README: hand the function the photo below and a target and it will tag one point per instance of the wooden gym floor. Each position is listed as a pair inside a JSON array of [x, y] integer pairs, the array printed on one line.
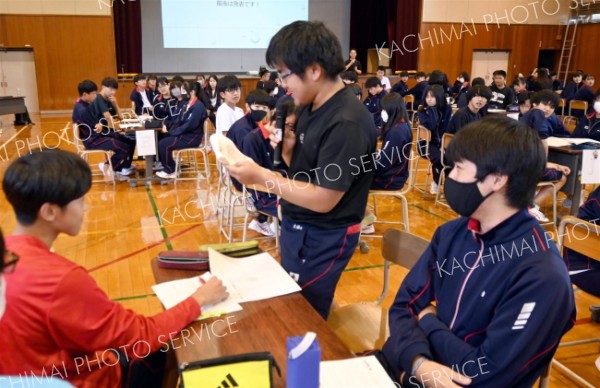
[[126, 227]]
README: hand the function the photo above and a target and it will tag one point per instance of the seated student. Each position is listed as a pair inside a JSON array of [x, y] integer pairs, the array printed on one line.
[[373, 100], [392, 164], [214, 99], [401, 87], [542, 81], [391, 168], [461, 101], [571, 88], [385, 81], [543, 104], [461, 85], [141, 96], [524, 103], [257, 145], [502, 95], [477, 97], [418, 90], [434, 116], [585, 93], [589, 125], [466, 314], [353, 64], [94, 138], [184, 132], [58, 316], [587, 269], [257, 111], [349, 77], [519, 86], [228, 113], [279, 89], [163, 101], [151, 85], [271, 88], [557, 84], [356, 90], [264, 75]]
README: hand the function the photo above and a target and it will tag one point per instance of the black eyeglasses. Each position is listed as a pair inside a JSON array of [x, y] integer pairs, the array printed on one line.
[[284, 76], [10, 261]]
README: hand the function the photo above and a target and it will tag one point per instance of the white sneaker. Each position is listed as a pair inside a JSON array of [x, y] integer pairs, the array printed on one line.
[[105, 168], [535, 211], [124, 172], [165, 175], [367, 229], [262, 228], [434, 189]]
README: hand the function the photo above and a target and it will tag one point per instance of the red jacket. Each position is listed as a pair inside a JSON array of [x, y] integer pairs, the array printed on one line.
[[59, 322]]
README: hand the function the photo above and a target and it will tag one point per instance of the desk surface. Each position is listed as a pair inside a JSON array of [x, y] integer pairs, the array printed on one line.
[[566, 150], [261, 326]]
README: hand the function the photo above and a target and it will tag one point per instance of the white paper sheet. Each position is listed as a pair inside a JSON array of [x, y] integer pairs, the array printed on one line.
[[251, 278], [562, 142], [176, 291], [146, 142], [357, 372], [590, 168]]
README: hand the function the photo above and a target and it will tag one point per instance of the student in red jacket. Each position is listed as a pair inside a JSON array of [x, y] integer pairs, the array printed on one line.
[[58, 321]]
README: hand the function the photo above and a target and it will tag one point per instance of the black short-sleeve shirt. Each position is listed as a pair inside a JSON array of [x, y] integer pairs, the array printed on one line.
[[335, 148], [100, 105]]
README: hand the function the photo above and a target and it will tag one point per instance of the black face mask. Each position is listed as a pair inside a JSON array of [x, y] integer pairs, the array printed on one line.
[[463, 198], [257, 115]]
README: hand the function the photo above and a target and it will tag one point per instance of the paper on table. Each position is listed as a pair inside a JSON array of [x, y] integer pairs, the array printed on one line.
[[590, 168], [251, 278], [562, 141], [354, 373], [146, 142], [176, 291]]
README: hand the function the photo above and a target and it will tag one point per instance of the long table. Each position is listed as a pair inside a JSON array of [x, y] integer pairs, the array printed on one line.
[[571, 158], [261, 326]]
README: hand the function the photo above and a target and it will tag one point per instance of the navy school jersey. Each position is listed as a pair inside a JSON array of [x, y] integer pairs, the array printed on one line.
[[588, 126], [391, 166], [240, 129], [436, 121], [590, 211], [536, 120], [373, 104], [190, 120]]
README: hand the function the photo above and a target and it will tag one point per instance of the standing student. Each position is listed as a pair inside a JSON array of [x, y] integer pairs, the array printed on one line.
[[141, 96], [401, 87], [373, 100], [185, 132], [228, 113], [543, 104], [477, 97], [467, 313], [58, 318], [385, 81], [353, 64], [329, 158], [502, 95], [95, 137], [434, 116]]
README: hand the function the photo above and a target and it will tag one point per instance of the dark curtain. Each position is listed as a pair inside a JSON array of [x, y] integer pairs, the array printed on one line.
[[375, 22], [127, 18]]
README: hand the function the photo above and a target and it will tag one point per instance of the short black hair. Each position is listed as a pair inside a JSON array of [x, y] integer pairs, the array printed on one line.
[[553, 73], [45, 176], [274, 75], [229, 82], [177, 78], [151, 76], [269, 86], [350, 75], [262, 71], [356, 89], [499, 72], [465, 75], [523, 97], [478, 81], [110, 82], [87, 86], [420, 74], [547, 97], [301, 44], [588, 76], [438, 77], [577, 74], [259, 97], [371, 82], [498, 144], [404, 73], [162, 81], [479, 90], [139, 77], [382, 68]]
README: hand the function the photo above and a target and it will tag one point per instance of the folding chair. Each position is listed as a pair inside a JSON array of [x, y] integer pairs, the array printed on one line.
[[85, 154], [186, 159], [446, 139], [570, 123], [364, 325], [423, 142], [561, 105], [540, 185], [570, 231], [578, 105]]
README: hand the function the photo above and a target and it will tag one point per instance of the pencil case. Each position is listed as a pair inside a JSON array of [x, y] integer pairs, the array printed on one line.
[[187, 260]]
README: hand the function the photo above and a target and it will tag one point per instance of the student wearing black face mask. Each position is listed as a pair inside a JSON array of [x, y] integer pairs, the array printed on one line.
[[502, 294]]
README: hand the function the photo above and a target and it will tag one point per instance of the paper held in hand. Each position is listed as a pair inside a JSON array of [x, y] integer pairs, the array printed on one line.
[[225, 151]]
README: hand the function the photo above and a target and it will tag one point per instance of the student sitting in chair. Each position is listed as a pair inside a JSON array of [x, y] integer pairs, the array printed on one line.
[[585, 93], [543, 104], [475, 310], [257, 108], [572, 86], [373, 100], [477, 98], [401, 87], [589, 125], [185, 132], [141, 96], [58, 320], [96, 137]]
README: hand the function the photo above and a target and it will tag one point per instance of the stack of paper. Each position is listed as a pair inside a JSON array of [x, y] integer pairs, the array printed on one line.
[[357, 372]]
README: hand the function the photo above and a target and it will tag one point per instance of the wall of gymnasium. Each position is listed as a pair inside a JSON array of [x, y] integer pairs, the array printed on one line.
[[452, 29], [72, 40]]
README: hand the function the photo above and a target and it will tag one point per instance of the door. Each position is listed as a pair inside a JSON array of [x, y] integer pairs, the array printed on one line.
[[486, 62], [17, 76]]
